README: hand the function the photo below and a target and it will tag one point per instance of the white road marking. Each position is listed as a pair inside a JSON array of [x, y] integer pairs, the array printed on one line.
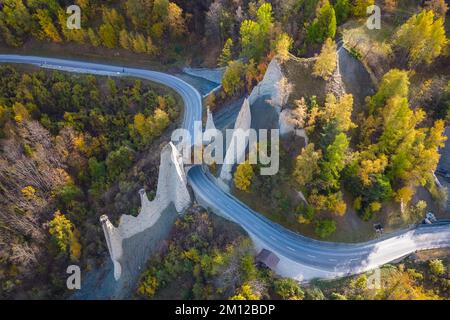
[[332, 259], [290, 248], [193, 108], [311, 256]]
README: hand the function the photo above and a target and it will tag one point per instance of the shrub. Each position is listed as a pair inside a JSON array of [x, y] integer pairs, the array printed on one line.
[[436, 267], [325, 228]]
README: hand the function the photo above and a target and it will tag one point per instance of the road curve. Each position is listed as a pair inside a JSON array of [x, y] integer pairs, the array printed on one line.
[[301, 257]]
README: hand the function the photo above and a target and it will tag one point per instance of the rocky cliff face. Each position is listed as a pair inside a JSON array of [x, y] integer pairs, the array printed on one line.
[[209, 121], [236, 154], [171, 189], [268, 85]]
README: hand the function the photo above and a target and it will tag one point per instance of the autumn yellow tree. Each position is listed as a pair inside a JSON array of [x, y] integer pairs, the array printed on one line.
[[246, 292], [108, 35], [151, 126], [283, 44], [139, 44], [404, 195], [226, 54], [93, 37], [338, 110], [232, 77], [142, 127], [369, 168], [288, 289], [243, 176], [326, 61], [124, 39], [29, 192], [401, 285], [160, 121], [423, 37], [149, 283], [65, 235], [20, 112], [394, 83], [359, 8], [175, 20], [397, 149], [340, 208], [48, 28]]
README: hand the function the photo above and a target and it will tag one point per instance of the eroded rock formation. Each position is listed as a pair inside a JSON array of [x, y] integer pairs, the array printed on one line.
[[171, 188], [209, 121], [268, 86], [236, 152]]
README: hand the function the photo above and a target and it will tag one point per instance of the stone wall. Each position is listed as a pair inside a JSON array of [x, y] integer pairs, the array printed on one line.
[[285, 126], [265, 88], [213, 75]]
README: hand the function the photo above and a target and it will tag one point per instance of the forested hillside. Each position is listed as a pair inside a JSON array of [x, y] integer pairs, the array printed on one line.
[[67, 151], [139, 26], [201, 261], [364, 162]]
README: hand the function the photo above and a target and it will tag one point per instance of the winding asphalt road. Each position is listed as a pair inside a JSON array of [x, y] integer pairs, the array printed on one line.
[[324, 259], [191, 97], [297, 253]]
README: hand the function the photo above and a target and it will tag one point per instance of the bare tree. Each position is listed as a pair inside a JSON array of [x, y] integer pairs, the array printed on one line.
[[213, 19], [23, 254]]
